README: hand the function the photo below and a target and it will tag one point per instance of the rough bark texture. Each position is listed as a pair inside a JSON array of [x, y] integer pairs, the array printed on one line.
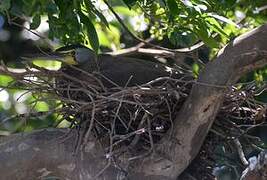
[[37, 155], [47, 153], [194, 120]]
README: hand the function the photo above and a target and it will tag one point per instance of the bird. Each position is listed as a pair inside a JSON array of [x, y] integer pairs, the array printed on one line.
[[115, 71]]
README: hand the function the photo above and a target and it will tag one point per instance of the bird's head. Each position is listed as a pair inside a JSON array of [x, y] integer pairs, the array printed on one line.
[[75, 54], [70, 55]]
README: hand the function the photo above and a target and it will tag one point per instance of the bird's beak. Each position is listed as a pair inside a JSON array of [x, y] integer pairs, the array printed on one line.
[[66, 58]]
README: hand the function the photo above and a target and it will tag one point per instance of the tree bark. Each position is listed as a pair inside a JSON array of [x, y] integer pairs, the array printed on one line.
[[244, 54], [35, 155], [49, 153]]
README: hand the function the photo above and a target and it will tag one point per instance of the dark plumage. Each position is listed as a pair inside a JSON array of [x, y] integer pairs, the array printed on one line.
[[120, 70]]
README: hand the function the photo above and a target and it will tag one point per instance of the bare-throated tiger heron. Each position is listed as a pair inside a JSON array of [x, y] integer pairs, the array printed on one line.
[[121, 71]]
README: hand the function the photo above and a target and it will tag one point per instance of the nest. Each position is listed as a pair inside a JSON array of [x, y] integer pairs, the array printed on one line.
[[138, 117], [133, 116]]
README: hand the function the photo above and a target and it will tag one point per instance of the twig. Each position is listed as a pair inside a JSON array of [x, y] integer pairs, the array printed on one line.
[[182, 50], [240, 152]]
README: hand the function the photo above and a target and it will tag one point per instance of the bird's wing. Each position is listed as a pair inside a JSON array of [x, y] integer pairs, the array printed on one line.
[[134, 71]]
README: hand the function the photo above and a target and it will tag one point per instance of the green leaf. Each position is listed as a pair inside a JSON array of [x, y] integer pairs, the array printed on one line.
[[195, 69], [91, 31], [182, 37], [41, 106], [215, 26], [91, 7], [5, 80], [129, 3], [36, 21], [5, 5], [208, 40], [173, 7], [122, 10], [76, 4], [51, 8], [102, 17], [223, 19], [202, 30]]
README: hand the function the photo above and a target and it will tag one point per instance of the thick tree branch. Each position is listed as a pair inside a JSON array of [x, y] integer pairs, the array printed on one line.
[[194, 120], [48, 153]]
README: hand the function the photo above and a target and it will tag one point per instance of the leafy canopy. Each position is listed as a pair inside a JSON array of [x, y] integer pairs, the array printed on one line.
[[183, 22]]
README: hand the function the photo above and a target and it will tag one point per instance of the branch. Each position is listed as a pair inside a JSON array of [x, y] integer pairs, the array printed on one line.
[[47, 153], [147, 51], [244, 54]]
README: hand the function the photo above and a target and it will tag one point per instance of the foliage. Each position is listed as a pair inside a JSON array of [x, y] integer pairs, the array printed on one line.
[[183, 22]]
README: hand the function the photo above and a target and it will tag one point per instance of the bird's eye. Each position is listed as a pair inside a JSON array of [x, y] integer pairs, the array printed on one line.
[[73, 53]]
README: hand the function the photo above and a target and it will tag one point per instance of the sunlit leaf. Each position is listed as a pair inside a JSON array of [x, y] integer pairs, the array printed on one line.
[[223, 19], [91, 7], [216, 26], [5, 80], [109, 37], [91, 31], [195, 68], [125, 11], [41, 106]]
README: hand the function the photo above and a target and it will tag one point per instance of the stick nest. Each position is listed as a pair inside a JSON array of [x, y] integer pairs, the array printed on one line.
[[133, 116], [136, 118]]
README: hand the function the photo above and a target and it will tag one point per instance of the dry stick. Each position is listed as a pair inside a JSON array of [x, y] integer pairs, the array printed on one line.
[[90, 76], [119, 106], [241, 134], [117, 111], [28, 71], [131, 50], [10, 21], [150, 135], [109, 155], [240, 152], [102, 170], [92, 118], [170, 118], [139, 129]]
